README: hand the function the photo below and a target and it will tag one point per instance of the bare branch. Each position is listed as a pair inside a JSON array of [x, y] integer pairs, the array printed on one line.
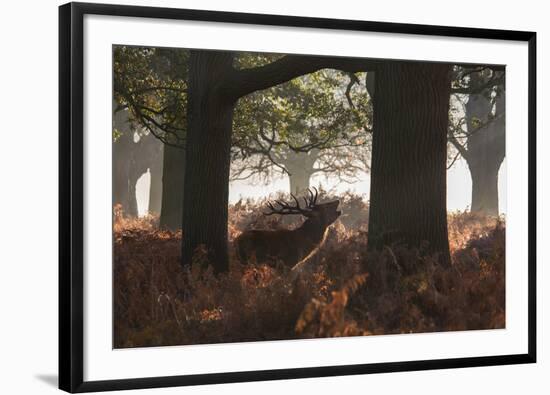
[[460, 148], [454, 160]]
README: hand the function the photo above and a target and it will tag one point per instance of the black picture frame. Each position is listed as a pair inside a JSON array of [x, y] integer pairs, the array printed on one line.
[[71, 205]]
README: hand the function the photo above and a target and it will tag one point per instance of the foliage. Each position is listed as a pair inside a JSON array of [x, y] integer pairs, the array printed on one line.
[[345, 291], [152, 84], [468, 83], [322, 119], [324, 116], [326, 113]]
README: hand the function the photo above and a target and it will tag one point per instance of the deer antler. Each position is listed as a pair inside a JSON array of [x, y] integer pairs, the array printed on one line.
[[312, 200], [285, 208]]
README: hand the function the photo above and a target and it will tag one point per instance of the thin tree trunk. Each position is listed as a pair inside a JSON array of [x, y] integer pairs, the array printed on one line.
[[120, 184], [122, 158], [486, 151], [144, 154], [484, 189], [172, 188], [206, 187], [132, 210], [155, 188], [409, 153], [300, 168], [299, 181], [149, 152]]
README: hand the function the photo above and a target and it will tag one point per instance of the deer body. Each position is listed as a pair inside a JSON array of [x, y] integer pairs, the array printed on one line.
[[284, 245]]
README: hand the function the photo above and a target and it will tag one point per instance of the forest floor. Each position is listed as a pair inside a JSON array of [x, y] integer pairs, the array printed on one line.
[[344, 292]]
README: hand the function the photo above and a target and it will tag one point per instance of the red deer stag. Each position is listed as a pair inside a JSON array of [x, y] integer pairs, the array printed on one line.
[[284, 245]]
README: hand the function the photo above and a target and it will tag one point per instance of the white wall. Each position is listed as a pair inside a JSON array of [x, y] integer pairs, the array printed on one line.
[[28, 157]]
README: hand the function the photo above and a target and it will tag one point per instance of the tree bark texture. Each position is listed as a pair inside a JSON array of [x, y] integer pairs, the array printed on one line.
[[206, 186], [409, 154], [172, 187], [485, 151]]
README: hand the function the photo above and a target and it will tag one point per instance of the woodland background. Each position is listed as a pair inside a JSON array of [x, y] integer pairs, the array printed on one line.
[[30, 297], [198, 120]]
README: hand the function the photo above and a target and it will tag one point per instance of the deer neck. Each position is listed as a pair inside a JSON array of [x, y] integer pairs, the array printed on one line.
[[313, 229]]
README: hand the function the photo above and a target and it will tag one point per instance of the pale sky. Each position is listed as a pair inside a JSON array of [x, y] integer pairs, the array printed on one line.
[[459, 188]]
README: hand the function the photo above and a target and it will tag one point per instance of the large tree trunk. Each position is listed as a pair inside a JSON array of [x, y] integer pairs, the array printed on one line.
[[206, 186], [172, 188], [486, 151], [409, 154]]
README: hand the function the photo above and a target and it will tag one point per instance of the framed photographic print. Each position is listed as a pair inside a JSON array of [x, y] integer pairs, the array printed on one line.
[[256, 197]]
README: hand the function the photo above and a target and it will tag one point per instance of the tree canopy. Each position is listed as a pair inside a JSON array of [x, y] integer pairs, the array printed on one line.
[[326, 114], [152, 84]]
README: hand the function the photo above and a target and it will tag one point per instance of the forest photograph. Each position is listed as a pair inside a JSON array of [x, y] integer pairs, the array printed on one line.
[[268, 196]]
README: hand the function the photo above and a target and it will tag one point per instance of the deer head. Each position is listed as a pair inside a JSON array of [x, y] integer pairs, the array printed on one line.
[[323, 213]]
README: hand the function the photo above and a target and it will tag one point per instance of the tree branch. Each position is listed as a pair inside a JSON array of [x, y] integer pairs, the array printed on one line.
[[352, 81], [479, 88], [289, 67], [453, 140], [454, 160]]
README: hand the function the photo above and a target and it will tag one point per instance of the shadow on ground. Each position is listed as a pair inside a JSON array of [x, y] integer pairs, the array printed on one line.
[[50, 379]]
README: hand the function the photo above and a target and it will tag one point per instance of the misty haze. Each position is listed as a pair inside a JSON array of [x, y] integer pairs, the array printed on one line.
[[262, 196]]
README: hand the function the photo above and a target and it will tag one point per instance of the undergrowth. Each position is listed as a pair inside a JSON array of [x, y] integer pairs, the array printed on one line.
[[345, 291]]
